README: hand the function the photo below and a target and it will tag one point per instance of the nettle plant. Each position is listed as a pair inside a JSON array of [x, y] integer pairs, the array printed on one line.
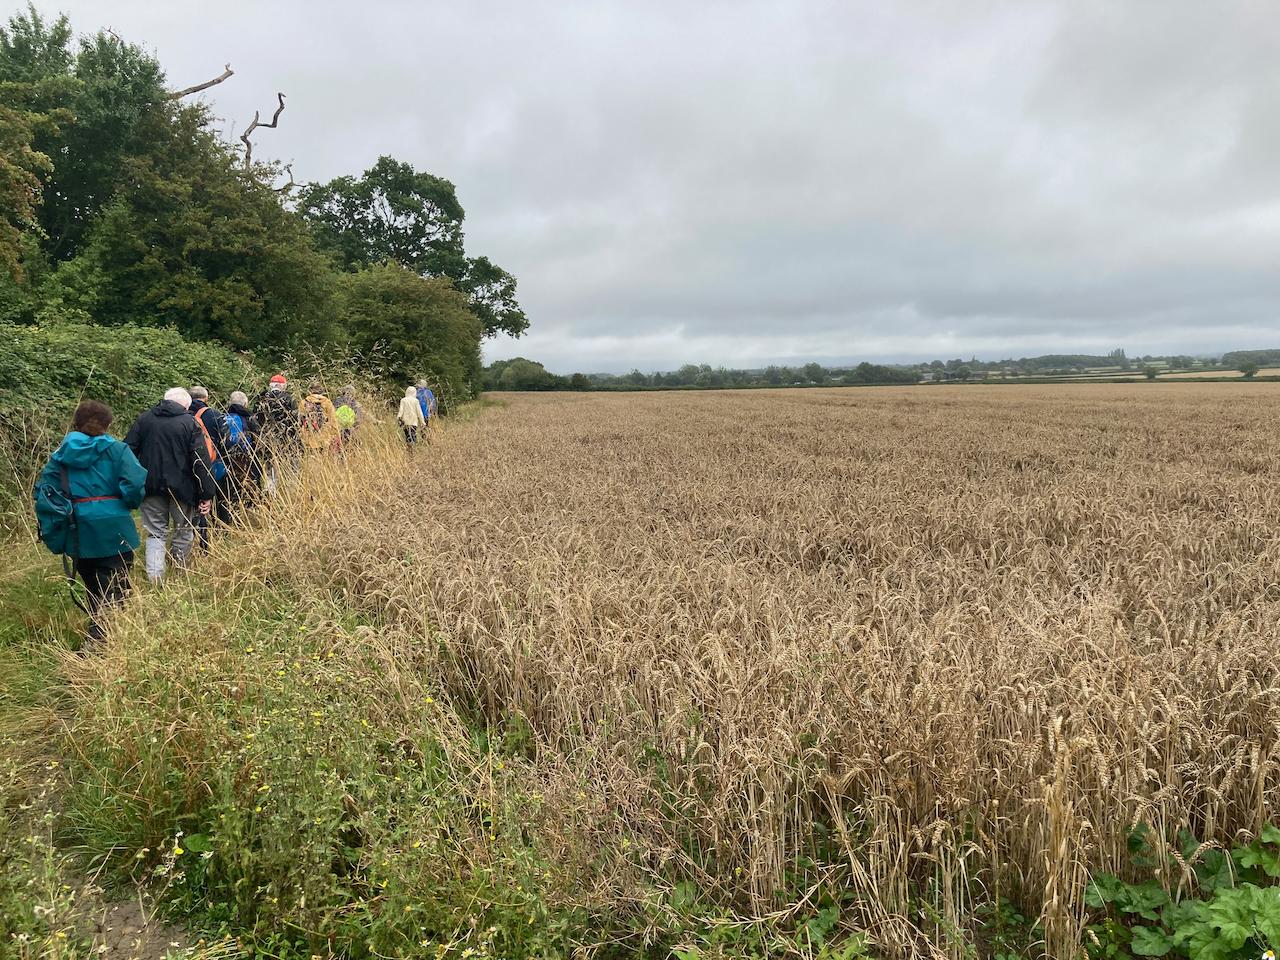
[[1235, 916]]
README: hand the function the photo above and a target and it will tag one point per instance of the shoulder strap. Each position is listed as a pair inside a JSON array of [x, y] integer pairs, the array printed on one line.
[[208, 440]]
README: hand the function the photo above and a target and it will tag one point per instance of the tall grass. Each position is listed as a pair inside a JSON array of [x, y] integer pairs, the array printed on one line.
[[746, 672]]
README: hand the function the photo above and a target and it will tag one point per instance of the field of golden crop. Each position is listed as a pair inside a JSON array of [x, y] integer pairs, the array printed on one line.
[[914, 650]]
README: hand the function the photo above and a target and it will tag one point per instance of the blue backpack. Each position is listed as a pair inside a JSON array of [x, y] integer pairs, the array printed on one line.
[[237, 438]]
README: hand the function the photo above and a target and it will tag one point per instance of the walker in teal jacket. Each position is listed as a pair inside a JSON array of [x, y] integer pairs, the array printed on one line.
[[106, 481]]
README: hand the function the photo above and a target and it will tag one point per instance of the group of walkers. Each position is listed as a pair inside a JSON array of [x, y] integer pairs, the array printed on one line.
[[184, 465]]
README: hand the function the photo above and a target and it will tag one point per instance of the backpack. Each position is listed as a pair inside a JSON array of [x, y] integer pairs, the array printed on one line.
[[219, 468], [56, 515], [313, 418], [276, 415], [59, 528], [346, 417], [237, 438]]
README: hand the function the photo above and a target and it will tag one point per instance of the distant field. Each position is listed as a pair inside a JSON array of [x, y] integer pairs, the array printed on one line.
[[1136, 373], [1196, 374]]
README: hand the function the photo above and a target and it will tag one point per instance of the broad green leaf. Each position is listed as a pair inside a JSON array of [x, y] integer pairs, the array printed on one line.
[[1214, 871], [1145, 900], [1102, 890], [1150, 942], [1206, 945]]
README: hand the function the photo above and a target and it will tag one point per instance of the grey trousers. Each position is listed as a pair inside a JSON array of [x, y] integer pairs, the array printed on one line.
[[159, 512]]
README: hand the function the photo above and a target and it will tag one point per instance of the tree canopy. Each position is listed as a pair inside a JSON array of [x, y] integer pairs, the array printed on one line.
[[393, 213], [120, 204]]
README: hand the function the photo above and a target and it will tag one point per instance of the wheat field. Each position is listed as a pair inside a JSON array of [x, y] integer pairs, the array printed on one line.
[[922, 651]]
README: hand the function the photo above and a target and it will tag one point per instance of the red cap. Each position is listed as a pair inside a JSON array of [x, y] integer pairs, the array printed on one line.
[[279, 378]]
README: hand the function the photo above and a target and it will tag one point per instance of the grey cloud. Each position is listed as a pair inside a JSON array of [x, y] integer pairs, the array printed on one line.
[[742, 182]]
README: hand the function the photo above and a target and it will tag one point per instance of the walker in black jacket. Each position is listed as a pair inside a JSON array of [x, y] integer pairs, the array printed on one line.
[[170, 444]]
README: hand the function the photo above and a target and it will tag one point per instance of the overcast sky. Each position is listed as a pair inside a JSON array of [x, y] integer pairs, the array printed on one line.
[[742, 183]]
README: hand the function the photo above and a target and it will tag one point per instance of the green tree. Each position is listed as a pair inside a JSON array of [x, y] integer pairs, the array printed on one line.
[[1248, 369], [196, 242], [390, 213], [109, 91], [21, 167], [522, 374], [423, 324], [814, 372], [1150, 372], [579, 381], [687, 375], [493, 298], [394, 213]]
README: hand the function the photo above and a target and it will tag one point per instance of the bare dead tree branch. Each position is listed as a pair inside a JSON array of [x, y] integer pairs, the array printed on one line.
[[290, 185], [257, 122], [179, 94]]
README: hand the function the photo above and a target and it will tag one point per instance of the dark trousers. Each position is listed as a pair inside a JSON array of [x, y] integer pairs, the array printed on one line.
[[410, 434], [221, 512], [106, 581]]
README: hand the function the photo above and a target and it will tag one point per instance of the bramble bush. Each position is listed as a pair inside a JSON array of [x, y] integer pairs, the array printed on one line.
[[46, 370]]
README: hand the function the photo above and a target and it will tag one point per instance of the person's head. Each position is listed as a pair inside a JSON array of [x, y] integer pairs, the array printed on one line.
[[92, 418], [422, 384], [239, 398], [179, 396], [199, 393], [349, 389], [409, 391], [278, 383], [316, 387]]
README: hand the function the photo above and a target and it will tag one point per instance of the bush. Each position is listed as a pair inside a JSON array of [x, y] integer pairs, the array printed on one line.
[[46, 370], [423, 327]]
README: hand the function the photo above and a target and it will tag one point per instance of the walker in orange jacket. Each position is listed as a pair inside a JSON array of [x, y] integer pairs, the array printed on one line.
[[318, 426]]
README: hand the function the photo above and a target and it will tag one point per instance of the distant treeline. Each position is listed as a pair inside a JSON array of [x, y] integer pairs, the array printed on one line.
[[1263, 358], [520, 373]]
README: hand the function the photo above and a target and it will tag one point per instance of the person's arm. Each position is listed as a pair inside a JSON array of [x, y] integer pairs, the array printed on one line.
[[201, 467], [133, 478], [134, 437]]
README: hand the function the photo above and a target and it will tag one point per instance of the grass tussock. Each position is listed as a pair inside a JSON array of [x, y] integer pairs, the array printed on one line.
[[758, 674]]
